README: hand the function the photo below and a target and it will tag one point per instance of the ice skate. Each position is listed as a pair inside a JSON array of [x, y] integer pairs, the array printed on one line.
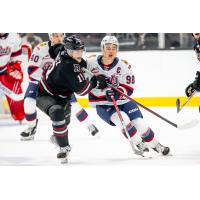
[[29, 133], [162, 149], [93, 130], [63, 154], [142, 147]]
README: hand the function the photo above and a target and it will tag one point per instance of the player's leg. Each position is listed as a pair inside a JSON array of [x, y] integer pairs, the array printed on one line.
[[83, 116], [145, 131], [109, 115], [30, 112], [54, 108], [16, 107], [148, 136], [132, 131]]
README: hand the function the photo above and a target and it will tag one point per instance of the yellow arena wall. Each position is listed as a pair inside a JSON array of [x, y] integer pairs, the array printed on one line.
[[155, 101], [161, 76]]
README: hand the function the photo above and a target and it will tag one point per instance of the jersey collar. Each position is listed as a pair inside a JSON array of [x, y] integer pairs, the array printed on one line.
[[107, 67]]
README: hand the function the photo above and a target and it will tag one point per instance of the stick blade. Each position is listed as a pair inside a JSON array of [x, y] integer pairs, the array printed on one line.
[[188, 125]]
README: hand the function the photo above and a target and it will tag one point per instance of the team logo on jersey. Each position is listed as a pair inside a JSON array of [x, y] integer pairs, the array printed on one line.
[[114, 80], [133, 110], [4, 51], [77, 68]]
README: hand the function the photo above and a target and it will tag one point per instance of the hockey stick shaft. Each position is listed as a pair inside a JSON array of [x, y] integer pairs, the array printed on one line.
[[124, 126], [188, 99], [10, 93], [120, 117], [184, 126], [141, 105]]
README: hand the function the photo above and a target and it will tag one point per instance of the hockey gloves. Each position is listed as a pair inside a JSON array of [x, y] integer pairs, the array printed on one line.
[[197, 48], [197, 45], [196, 83], [54, 50], [193, 86], [189, 90], [114, 93], [99, 82], [15, 71]]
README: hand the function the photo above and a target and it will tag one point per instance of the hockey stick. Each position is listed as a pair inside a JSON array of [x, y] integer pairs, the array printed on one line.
[[182, 126], [179, 108], [137, 152], [178, 105], [10, 93]]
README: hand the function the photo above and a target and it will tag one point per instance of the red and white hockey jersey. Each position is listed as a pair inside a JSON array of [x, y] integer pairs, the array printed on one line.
[[10, 51], [119, 70], [40, 59]]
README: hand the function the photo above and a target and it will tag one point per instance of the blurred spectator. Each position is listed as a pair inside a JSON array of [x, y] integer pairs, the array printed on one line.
[[172, 40], [140, 40], [186, 40], [31, 39], [127, 41]]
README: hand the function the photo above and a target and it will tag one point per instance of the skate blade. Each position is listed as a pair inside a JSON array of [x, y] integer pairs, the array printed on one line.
[[96, 137], [63, 160], [168, 155], [139, 153], [27, 138], [94, 134]]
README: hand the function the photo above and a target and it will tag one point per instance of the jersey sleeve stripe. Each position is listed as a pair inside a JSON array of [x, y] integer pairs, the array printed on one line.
[[85, 89], [3, 69], [16, 53], [129, 90]]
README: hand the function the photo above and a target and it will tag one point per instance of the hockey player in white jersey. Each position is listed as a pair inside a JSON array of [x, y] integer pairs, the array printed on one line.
[[40, 60], [195, 85], [11, 75], [121, 76]]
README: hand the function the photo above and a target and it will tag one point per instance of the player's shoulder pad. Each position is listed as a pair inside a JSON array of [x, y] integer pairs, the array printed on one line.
[[91, 58], [14, 38], [41, 47], [126, 63]]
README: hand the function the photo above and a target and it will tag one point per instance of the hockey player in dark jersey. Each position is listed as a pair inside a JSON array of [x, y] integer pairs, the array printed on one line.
[[43, 55], [195, 85], [58, 84]]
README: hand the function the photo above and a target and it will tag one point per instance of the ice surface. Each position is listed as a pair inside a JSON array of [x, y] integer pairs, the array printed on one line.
[[108, 148]]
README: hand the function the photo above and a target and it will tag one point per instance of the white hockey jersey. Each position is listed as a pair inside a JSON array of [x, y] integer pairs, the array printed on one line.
[[120, 70], [40, 59], [10, 50]]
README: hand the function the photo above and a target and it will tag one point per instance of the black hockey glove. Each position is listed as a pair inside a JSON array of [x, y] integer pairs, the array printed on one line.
[[54, 50], [197, 48], [99, 82], [196, 83], [197, 45], [189, 90], [193, 86], [113, 93]]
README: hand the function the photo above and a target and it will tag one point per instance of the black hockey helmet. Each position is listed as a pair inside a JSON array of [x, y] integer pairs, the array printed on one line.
[[3, 36], [73, 43]]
